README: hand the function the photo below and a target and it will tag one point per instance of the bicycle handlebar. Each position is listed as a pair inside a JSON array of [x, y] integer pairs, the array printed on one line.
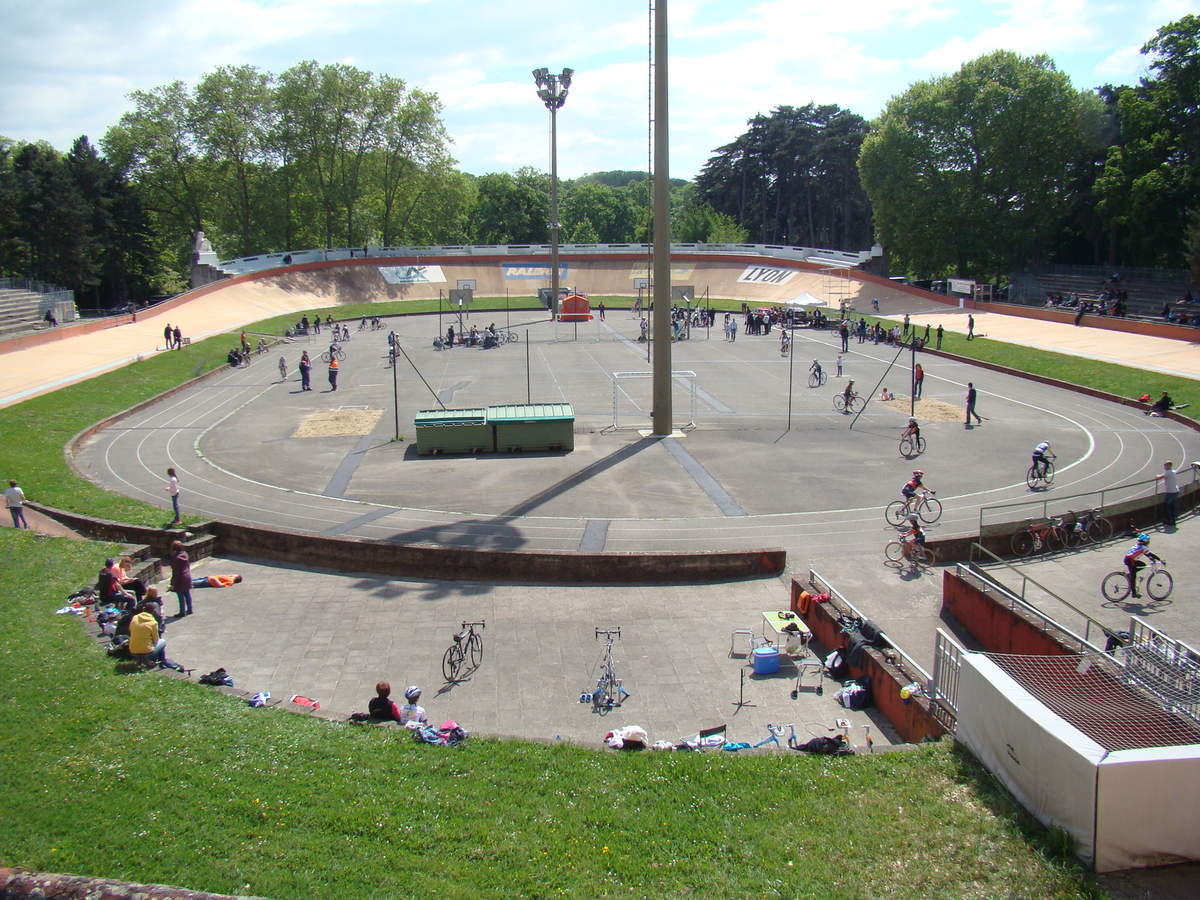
[[608, 632], [473, 624]]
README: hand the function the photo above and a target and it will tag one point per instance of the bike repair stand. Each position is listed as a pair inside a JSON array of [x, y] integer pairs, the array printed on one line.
[[741, 700]]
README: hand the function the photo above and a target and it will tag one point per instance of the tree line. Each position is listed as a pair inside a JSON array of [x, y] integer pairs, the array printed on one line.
[[1002, 165]]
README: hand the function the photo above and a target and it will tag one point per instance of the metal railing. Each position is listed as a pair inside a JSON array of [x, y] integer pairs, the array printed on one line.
[[1168, 668], [914, 667], [943, 686], [33, 285], [1043, 507], [245, 264], [1026, 594]]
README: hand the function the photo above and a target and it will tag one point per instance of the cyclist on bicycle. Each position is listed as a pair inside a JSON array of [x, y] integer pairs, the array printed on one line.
[[914, 537], [848, 394], [1133, 561], [909, 490], [1042, 455], [912, 430], [815, 368]]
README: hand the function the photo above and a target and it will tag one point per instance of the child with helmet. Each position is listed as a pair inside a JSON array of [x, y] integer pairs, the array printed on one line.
[[1133, 560], [411, 711]]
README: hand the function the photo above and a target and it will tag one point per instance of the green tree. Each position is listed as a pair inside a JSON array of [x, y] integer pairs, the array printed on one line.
[[792, 178], [970, 173], [512, 209], [1151, 176], [609, 211], [55, 219], [700, 223]]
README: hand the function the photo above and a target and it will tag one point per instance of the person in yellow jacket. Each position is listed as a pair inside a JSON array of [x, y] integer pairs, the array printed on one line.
[[145, 645], [333, 374]]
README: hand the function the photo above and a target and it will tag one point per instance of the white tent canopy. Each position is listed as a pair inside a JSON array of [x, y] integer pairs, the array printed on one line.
[[805, 299]]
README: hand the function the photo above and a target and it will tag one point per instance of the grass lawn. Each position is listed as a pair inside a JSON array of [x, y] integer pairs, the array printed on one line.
[[149, 779]]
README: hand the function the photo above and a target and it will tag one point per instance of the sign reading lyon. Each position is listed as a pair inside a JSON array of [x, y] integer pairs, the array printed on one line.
[[765, 275]]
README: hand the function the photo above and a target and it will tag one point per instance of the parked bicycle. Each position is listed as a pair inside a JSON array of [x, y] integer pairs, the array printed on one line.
[[1155, 577], [928, 507], [609, 692], [1087, 527], [921, 555], [1041, 476], [464, 655], [1048, 535]]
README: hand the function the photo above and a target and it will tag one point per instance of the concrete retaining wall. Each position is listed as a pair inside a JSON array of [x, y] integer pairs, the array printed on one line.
[[993, 623]]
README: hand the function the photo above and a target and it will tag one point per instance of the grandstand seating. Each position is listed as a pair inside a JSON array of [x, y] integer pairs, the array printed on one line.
[[1146, 296], [22, 310]]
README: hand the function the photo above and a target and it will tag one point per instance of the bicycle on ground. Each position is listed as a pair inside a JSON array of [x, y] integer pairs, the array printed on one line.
[[609, 693], [464, 655], [1157, 580], [1041, 476], [928, 507], [1051, 535], [1087, 527], [337, 352]]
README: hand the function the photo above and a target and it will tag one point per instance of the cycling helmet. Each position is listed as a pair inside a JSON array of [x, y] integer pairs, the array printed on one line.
[[412, 693], [1143, 538], [918, 471], [912, 421]]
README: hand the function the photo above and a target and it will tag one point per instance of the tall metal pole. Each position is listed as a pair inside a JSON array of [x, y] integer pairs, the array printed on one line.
[[662, 231], [395, 385], [553, 212]]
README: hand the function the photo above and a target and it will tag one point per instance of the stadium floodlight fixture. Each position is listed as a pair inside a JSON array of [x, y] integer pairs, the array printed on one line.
[[552, 91]]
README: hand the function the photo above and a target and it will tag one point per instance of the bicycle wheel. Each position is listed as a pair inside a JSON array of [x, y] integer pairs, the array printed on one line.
[[451, 662], [1073, 536], [930, 510], [1159, 584], [1032, 478], [895, 513], [839, 402], [1048, 476], [601, 701], [1055, 538], [925, 556], [475, 649], [513, 337], [341, 354], [920, 444], [1100, 529], [1115, 586], [893, 550], [857, 404], [814, 380], [325, 356], [1022, 543]]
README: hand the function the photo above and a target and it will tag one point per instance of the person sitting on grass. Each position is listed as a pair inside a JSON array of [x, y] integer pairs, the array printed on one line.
[[146, 645], [108, 586], [382, 707], [885, 394], [1161, 406], [410, 711]]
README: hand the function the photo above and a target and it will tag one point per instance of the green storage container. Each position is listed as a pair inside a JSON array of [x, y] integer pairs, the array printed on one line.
[[453, 431], [531, 427]]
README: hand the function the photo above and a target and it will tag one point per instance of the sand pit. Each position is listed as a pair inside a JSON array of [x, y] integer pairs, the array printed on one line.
[[338, 423], [926, 410]]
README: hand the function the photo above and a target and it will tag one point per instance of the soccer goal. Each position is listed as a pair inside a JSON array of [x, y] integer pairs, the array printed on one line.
[[633, 400]]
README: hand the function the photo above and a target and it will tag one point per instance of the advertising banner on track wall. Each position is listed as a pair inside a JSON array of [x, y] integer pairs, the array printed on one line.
[[412, 274], [766, 275], [680, 272], [527, 272]]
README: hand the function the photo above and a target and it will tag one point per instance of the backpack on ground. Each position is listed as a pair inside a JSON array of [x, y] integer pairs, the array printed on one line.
[[217, 677], [835, 666]]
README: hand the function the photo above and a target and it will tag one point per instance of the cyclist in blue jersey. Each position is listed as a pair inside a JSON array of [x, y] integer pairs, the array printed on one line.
[[1133, 560]]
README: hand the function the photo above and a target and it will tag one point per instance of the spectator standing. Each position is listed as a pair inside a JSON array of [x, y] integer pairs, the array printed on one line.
[[970, 327], [925, 340], [282, 369], [178, 334], [1170, 480], [940, 332], [305, 372], [333, 373], [167, 335], [844, 334], [971, 405], [181, 578], [839, 365], [918, 381], [14, 499], [172, 488], [601, 310]]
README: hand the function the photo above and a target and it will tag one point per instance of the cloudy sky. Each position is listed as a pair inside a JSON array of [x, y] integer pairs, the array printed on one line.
[[66, 66]]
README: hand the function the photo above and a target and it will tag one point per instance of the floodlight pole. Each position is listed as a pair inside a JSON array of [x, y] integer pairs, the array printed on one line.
[[552, 91], [662, 232]]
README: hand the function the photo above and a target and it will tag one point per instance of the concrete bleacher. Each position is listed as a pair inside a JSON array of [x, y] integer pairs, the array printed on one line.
[[23, 310], [1146, 295]]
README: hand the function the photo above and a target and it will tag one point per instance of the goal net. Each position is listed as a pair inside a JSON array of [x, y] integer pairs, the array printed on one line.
[[633, 400]]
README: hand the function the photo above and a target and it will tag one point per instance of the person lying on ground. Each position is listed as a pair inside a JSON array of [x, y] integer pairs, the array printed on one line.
[[215, 581]]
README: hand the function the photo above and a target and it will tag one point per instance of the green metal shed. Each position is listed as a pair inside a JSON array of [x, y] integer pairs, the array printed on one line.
[[533, 426], [453, 431]]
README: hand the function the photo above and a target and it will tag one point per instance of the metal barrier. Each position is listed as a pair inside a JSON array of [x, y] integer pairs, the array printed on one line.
[[943, 686], [1165, 667], [1024, 597], [1045, 506], [914, 667]]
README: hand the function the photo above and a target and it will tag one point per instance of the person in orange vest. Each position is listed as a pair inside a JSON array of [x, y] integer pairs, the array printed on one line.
[[333, 373]]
